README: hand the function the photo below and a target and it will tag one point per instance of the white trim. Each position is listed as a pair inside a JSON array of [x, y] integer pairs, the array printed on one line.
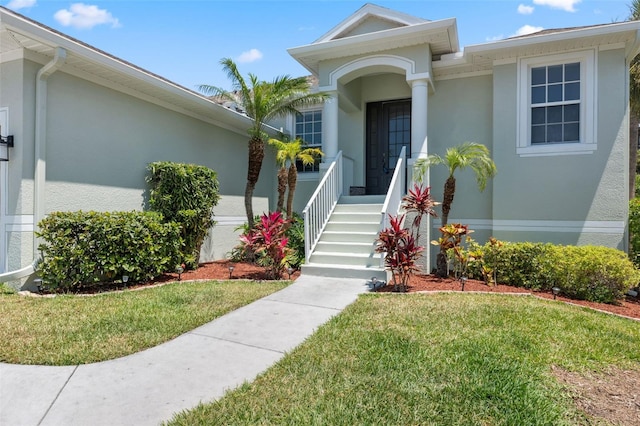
[[393, 61], [555, 226], [230, 220], [588, 105], [613, 46], [463, 74]]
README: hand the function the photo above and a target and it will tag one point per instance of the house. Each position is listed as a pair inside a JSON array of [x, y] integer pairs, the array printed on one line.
[[552, 107], [86, 124]]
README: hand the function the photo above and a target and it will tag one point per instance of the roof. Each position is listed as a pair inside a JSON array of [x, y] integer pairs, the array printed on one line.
[[374, 29], [21, 37]]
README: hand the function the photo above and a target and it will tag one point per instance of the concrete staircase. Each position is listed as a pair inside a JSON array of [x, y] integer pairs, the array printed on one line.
[[346, 247]]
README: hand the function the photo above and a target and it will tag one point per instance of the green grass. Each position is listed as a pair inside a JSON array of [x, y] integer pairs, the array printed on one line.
[[447, 359], [69, 330]]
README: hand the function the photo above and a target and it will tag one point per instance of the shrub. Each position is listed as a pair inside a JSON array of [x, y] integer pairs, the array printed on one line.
[[295, 236], [185, 194], [83, 248], [634, 231], [597, 274], [400, 251], [268, 243]]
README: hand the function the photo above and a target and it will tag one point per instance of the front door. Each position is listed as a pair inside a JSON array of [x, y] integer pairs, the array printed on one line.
[[388, 130]]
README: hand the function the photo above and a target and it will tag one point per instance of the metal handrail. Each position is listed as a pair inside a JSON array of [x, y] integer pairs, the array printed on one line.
[[323, 201]]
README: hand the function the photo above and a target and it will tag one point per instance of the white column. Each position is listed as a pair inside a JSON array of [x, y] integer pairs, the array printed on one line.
[[419, 101], [330, 128]]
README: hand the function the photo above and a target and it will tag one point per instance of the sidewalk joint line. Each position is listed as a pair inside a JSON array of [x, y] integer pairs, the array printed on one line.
[[304, 304], [58, 394], [238, 343]]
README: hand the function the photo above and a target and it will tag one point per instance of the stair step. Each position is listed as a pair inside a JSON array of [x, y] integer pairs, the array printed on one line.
[[359, 208], [341, 271], [345, 247], [356, 217], [362, 199], [355, 237], [346, 259], [353, 226]]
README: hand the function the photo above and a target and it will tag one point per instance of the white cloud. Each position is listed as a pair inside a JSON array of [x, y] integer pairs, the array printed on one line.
[[84, 16], [20, 4], [525, 10], [250, 56], [495, 38], [567, 5], [527, 29]]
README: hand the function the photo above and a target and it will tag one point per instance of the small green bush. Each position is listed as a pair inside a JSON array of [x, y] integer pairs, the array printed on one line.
[[295, 234], [634, 231], [85, 248], [185, 194], [594, 273], [597, 274]]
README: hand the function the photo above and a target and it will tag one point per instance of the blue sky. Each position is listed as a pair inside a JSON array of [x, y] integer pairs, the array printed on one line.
[[185, 40]]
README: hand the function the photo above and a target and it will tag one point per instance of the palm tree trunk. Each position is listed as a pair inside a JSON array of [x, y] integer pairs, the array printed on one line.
[[633, 152], [292, 180], [282, 187], [256, 155], [447, 200]]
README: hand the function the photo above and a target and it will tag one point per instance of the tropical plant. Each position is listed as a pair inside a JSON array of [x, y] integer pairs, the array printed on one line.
[[400, 251], [268, 242], [262, 101], [419, 202], [185, 194], [453, 235], [287, 153], [470, 154]]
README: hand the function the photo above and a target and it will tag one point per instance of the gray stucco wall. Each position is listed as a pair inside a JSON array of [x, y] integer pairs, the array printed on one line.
[[574, 188], [99, 143]]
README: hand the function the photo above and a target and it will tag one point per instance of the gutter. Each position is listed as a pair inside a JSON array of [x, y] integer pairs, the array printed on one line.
[[39, 158]]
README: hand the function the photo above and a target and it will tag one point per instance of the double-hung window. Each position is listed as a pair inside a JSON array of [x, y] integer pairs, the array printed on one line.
[[308, 127], [557, 105]]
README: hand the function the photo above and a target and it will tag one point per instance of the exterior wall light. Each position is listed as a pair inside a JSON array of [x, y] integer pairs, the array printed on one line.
[[6, 142]]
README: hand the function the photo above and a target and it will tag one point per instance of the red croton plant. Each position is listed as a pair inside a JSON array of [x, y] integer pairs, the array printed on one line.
[[400, 244], [267, 241]]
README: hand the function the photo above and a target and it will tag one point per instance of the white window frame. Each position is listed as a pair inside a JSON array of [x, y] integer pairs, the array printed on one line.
[[588, 142], [310, 175]]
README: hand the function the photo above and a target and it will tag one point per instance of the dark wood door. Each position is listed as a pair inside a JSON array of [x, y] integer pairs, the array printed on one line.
[[388, 130]]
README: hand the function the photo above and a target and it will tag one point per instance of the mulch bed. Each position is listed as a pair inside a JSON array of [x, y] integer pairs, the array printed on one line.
[[219, 270]]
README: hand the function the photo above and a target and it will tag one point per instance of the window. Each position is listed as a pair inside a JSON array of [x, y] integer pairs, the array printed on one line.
[[308, 127], [557, 106]]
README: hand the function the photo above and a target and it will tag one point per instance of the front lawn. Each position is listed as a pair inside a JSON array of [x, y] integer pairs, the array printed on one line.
[[446, 359], [69, 330]]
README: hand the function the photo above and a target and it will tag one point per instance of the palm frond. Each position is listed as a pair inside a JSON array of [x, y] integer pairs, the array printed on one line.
[[423, 164]]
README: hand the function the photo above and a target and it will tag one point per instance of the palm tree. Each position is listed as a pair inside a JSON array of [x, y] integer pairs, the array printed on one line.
[[469, 154], [262, 101], [287, 153], [634, 101]]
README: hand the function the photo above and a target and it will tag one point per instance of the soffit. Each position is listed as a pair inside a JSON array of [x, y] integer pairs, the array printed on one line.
[[482, 57]]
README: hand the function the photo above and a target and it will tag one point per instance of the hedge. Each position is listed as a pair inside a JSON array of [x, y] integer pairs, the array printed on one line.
[[88, 248], [593, 273]]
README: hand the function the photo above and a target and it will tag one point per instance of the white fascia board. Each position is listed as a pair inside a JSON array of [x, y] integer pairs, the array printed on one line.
[[342, 47], [602, 30], [52, 39], [363, 13]]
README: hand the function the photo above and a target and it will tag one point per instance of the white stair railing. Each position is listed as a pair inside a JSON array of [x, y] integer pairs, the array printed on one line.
[[396, 191], [321, 204]]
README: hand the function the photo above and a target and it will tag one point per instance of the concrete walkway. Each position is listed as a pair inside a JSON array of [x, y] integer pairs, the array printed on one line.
[[148, 387]]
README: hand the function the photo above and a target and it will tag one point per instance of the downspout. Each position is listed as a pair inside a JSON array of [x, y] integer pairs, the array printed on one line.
[[39, 178], [40, 151]]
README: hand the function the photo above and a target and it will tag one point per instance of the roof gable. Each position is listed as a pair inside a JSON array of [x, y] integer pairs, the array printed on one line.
[[370, 18]]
